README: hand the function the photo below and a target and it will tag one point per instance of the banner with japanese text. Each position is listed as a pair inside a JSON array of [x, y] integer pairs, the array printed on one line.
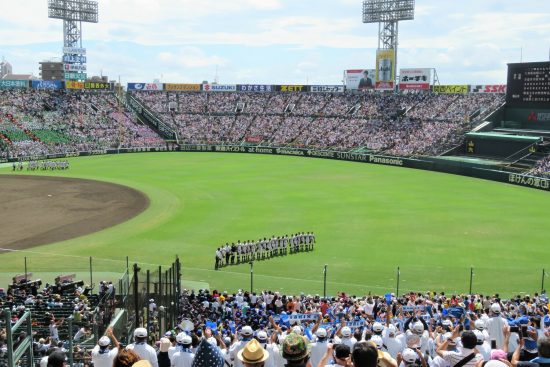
[[418, 79]]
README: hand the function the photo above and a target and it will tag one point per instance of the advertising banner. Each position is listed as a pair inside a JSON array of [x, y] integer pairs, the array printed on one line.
[[451, 89], [219, 87], [291, 88], [76, 76], [255, 88], [74, 50], [385, 61], [69, 84], [8, 84], [183, 87], [491, 88], [145, 86], [74, 59], [327, 89], [415, 79], [97, 85], [360, 79], [47, 84], [74, 67]]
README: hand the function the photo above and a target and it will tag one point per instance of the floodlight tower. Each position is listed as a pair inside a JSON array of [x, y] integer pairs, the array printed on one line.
[[73, 13], [387, 13]]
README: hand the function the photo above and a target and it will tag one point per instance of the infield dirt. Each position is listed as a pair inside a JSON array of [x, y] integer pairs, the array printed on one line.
[[37, 210]]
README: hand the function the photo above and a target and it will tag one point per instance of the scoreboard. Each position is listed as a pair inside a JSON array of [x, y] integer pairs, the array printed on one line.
[[529, 85]]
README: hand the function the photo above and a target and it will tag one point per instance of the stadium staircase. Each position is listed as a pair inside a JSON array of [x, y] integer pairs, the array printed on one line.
[[5, 139], [530, 160]]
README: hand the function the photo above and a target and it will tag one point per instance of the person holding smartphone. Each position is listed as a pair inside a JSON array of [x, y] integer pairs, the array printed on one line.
[[467, 356], [335, 355]]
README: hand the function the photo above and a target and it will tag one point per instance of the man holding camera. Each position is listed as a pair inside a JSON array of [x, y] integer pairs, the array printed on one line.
[[542, 359], [468, 356]]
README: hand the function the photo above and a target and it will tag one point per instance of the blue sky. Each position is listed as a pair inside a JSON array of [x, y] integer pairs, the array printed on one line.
[[280, 41]]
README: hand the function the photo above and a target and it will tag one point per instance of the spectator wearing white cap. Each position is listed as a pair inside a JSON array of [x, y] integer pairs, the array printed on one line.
[[495, 325], [102, 356], [382, 350], [140, 346], [319, 347], [483, 345], [270, 345], [246, 335], [392, 343], [184, 356], [479, 324], [344, 332], [411, 358]]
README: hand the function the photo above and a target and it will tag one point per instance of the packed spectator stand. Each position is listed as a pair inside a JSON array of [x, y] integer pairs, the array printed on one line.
[[35, 123], [403, 124]]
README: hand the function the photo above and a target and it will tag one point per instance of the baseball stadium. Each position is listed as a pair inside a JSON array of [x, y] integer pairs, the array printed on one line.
[[386, 212]]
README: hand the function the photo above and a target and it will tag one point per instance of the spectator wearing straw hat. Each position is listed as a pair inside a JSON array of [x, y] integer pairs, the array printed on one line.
[[162, 356], [253, 354], [246, 335]]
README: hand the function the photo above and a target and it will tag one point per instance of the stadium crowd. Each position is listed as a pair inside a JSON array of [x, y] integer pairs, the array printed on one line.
[[405, 124], [411, 330], [263, 249], [50, 307], [38, 122]]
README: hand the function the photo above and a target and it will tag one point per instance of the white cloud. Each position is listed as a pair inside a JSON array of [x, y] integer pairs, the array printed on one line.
[[189, 57], [465, 41]]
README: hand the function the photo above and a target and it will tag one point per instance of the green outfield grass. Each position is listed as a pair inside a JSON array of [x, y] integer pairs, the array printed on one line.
[[368, 220]]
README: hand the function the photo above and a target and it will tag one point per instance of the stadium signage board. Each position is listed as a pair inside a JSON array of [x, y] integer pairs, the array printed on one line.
[[255, 88], [182, 87], [97, 85], [145, 86], [360, 79], [74, 67], [8, 84], [494, 88], [74, 50], [528, 84], [76, 76], [327, 89], [70, 84], [385, 61], [291, 88], [74, 59], [418, 79], [219, 87], [451, 89], [47, 84], [418, 163]]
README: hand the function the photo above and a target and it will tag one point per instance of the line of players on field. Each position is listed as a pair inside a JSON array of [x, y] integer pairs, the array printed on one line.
[[47, 165], [262, 249]]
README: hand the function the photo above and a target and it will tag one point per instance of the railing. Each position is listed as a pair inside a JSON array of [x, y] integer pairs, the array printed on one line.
[[22, 347]]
